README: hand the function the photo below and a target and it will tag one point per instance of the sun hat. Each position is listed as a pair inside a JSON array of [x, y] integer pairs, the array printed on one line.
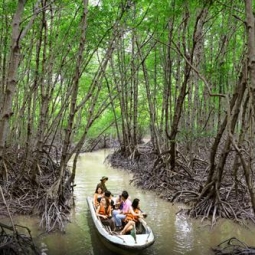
[[104, 178]]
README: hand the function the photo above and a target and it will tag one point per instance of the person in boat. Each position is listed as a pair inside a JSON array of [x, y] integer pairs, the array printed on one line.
[[132, 217], [102, 182], [97, 196], [105, 213], [118, 203], [108, 195], [119, 215]]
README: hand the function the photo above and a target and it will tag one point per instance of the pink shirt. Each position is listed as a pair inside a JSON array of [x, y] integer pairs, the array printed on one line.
[[126, 206]]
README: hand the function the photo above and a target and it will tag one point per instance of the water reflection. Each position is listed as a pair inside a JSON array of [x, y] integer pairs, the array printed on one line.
[[174, 234], [184, 237], [97, 245]]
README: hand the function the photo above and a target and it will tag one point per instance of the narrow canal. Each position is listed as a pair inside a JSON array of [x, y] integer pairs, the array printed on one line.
[[175, 234]]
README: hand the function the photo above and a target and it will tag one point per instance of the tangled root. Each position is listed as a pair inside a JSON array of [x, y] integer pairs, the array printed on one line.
[[12, 242], [233, 246]]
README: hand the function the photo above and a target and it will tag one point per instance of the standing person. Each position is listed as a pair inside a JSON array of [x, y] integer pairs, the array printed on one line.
[[105, 213], [120, 214], [97, 195], [102, 182]]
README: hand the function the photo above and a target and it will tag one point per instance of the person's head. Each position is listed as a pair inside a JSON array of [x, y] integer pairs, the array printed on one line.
[[108, 194], [103, 201], [124, 195], [104, 179], [99, 190], [135, 203]]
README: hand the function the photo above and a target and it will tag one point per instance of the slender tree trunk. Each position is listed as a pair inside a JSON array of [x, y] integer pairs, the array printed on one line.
[[9, 92], [179, 103], [134, 81], [251, 47], [166, 109], [95, 89], [150, 96], [72, 111], [250, 24], [213, 175]]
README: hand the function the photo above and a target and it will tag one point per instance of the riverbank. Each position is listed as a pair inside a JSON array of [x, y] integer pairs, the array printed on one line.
[[174, 232], [185, 182]]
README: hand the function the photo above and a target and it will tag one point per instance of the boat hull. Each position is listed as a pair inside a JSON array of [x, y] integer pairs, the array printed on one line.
[[121, 244]]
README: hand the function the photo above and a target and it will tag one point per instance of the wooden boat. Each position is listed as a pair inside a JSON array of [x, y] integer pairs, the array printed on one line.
[[122, 244]]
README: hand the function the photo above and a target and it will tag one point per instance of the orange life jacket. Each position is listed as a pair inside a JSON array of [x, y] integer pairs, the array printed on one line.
[[102, 210], [130, 216]]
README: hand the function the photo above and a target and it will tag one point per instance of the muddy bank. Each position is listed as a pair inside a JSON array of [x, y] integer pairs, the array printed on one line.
[[31, 185], [185, 182]]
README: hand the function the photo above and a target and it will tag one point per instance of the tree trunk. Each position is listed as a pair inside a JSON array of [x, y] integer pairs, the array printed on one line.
[[250, 24], [6, 108], [65, 156], [197, 37]]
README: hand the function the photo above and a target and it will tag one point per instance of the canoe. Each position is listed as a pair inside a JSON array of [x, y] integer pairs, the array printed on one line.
[[131, 243]]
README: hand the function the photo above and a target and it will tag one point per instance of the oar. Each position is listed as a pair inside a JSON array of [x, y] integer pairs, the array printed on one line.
[[133, 233]]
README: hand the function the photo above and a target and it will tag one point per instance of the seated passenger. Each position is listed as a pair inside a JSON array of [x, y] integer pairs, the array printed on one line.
[[108, 195], [97, 196], [105, 213], [120, 214], [118, 203], [132, 216]]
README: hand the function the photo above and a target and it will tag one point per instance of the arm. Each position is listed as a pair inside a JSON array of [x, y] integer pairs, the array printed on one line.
[[109, 211], [139, 214], [95, 199]]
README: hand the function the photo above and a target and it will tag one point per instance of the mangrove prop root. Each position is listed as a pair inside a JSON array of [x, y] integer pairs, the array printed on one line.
[[178, 186], [13, 242], [233, 246], [28, 194]]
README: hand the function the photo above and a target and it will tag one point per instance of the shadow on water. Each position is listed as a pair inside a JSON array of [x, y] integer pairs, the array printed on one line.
[[97, 245]]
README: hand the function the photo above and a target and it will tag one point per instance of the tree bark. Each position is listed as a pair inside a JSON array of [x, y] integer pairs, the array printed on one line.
[[250, 25], [9, 92]]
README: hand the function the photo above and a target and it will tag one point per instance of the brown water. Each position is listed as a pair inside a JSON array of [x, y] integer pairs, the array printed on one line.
[[175, 234]]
